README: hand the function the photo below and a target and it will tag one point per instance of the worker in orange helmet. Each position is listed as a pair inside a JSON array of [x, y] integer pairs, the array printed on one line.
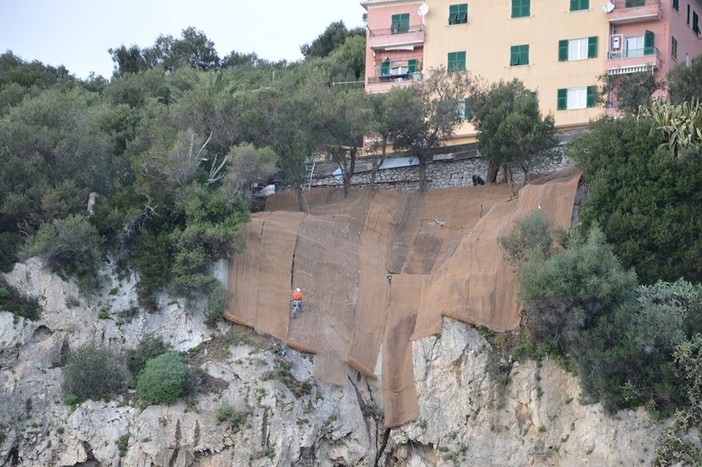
[[296, 302]]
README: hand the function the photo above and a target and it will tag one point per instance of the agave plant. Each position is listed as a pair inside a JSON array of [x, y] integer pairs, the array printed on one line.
[[680, 124]]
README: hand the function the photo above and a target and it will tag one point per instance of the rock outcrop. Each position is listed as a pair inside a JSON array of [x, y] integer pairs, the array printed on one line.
[[476, 407]]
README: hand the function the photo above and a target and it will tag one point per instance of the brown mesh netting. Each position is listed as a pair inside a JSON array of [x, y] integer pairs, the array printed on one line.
[[382, 268]]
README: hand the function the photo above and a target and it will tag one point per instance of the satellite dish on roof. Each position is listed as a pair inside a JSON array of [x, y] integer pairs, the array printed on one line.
[[608, 7], [423, 9]]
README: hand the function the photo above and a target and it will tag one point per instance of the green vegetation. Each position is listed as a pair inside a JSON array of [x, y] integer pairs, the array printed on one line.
[[511, 131], [229, 415], [93, 372], [122, 444], [647, 202], [150, 347], [16, 303], [163, 379]]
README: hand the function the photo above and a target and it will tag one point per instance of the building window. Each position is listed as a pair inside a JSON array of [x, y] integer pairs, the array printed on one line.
[[456, 61], [676, 5], [688, 14], [576, 5], [577, 49], [412, 66], [577, 98], [634, 3], [519, 55], [695, 24], [464, 109], [458, 14], [521, 8], [400, 23], [674, 49]]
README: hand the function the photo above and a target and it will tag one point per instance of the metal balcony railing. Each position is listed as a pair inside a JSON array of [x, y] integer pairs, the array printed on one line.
[[633, 53], [632, 11], [395, 30], [411, 76]]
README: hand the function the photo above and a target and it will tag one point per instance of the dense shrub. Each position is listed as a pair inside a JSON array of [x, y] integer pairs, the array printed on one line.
[[94, 372], [69, 246], [150, 347], [647, 202], [163, 379], [16, 303], [567, 292], [531, 234]]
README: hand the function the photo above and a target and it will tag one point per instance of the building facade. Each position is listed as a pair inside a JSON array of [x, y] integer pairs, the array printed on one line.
[[558, 48]]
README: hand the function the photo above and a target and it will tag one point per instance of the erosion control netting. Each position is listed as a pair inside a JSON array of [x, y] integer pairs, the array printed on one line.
[[381, 269]]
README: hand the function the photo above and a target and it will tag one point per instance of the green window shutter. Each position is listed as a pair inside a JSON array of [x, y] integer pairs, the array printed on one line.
[[385, 68], [676, 5], [456, 61], [519, 55], [563, 51], [695, 23], [591, 96], [400, 23], [521, 8], [411, 66], [592, 47], [634, 3], [648, 43], [458, 14], [562, 99], [468, 110], [576, 5], [514, 55]]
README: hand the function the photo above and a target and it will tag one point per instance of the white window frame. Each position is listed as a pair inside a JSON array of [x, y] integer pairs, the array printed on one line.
[[577, 49], [638, 43], [576, 98]]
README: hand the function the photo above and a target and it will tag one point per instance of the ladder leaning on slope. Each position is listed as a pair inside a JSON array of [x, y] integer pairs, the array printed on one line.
[[309, 173]]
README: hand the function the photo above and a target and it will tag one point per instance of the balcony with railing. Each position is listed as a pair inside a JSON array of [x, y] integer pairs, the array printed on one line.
[[398, 37], [633, 61], [633, 11]]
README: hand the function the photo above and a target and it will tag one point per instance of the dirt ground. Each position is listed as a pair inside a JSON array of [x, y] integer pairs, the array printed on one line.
[[380, 269]]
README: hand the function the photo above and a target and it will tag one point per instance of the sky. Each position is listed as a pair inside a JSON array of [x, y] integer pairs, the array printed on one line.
[[78, 33]]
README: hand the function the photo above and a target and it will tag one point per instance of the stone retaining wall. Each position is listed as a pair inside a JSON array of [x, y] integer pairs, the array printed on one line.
[[440, 174]]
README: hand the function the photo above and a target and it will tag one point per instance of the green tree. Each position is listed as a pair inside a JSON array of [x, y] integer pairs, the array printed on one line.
[[531, 237], [511, 131], [444, 97], [646, 201], [629, 92], [331, 39], [339, 121], [193, 49], [567, 292], [395, 113], [685, 82], [628, 357], [127, 60]]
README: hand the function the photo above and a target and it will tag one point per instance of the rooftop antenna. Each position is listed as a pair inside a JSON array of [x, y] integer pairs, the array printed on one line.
[[423, 10]]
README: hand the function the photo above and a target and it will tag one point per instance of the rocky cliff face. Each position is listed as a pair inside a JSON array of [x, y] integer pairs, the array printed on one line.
[[475, 409]]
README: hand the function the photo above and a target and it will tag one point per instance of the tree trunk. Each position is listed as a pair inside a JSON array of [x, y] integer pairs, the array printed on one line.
[[492, 172], [422, 174], [377, 162]]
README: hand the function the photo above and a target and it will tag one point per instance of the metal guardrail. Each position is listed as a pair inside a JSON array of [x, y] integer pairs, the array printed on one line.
[[395, 31], [415, 76], [633, 53]]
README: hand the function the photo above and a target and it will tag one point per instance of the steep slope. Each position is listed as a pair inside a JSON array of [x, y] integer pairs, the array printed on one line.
[[383, 268]]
